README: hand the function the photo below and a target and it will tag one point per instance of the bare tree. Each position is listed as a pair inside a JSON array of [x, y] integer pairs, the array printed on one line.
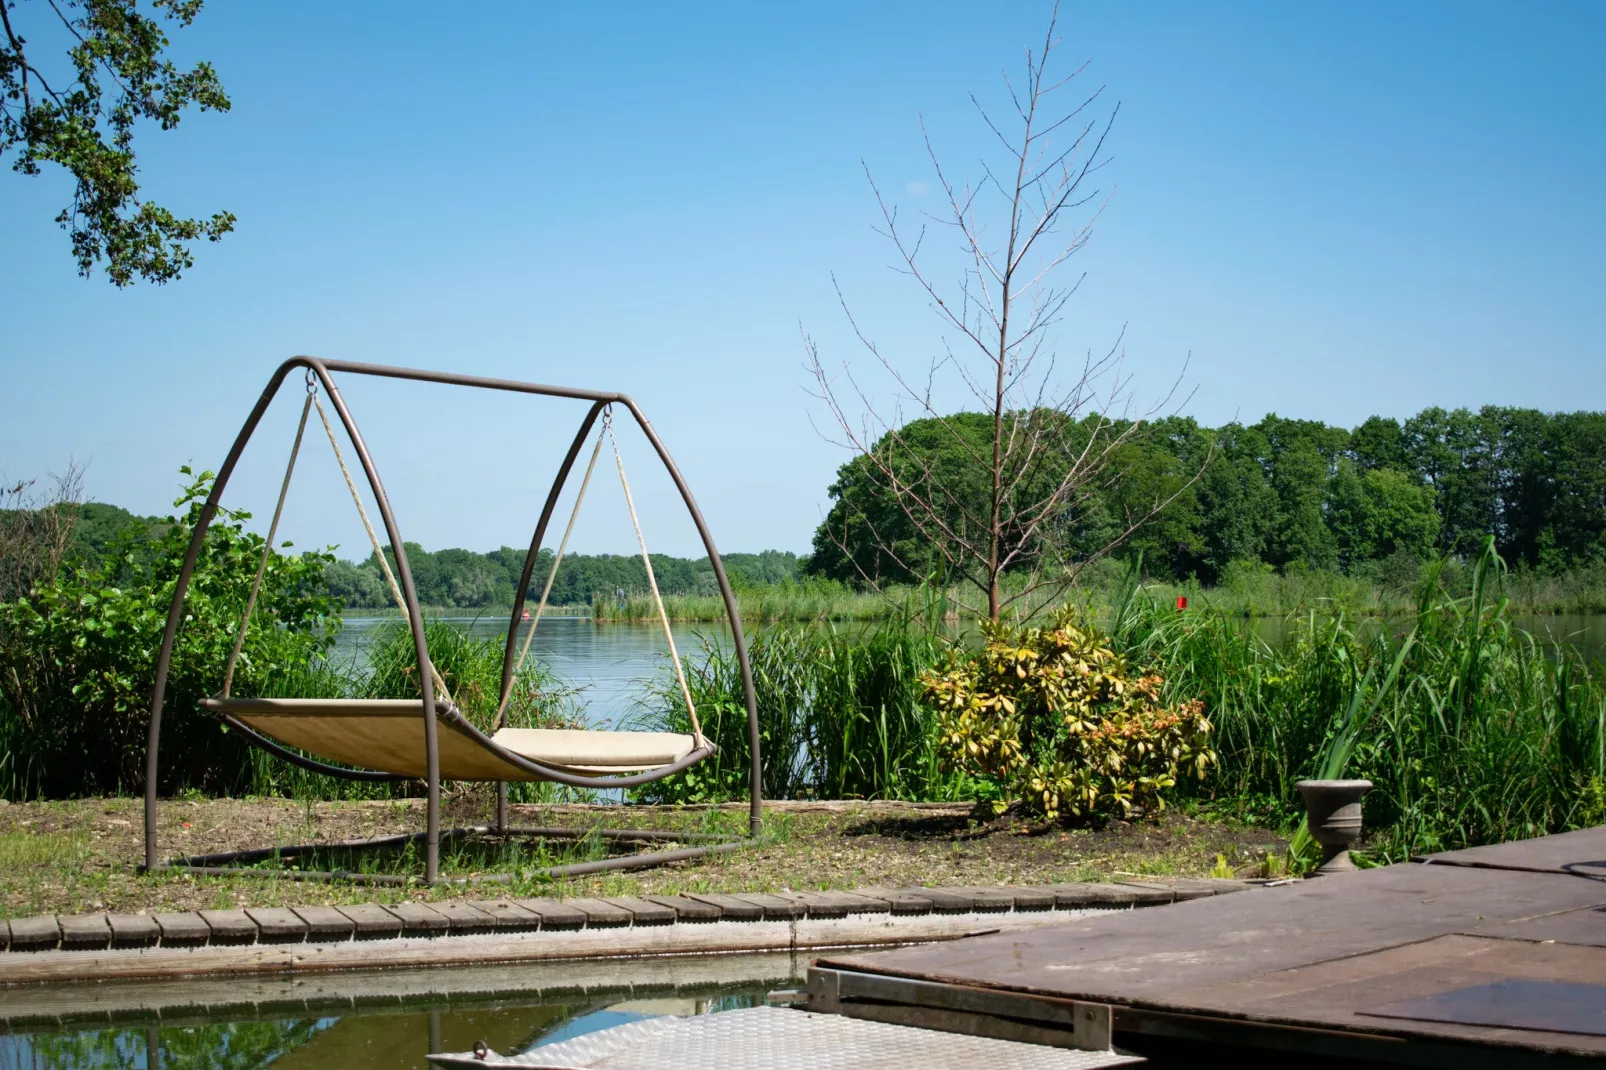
[[36, 528], [1054, 444]]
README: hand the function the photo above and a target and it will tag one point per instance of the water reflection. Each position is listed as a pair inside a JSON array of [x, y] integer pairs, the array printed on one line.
[[372, 1037]]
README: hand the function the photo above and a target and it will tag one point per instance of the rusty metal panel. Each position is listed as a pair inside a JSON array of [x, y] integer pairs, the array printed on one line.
[[1581, 853], [1549, 1006], [1150, 954]]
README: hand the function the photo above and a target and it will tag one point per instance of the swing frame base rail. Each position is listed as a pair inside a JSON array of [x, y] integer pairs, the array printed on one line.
[[218, 865]]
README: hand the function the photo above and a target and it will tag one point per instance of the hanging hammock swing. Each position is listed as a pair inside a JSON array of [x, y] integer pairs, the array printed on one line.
[[429, 738]]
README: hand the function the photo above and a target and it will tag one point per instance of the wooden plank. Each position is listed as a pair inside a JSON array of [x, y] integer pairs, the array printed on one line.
[[1585, 927], [773, 905], [35, 934], [1582, 853], [278, 925], [419, 919], [686, 909], [900, 900], [1126, 956], [1078, 896], [183, 929], [947, 900], [992, 900], [133, 930], [731, 908], [508, 915], [465, 917], [325, 924], [600, 915], [554, 914], [836, 904], [1342, 994], [641, 911], [1032, 897], [230, 926], [372, 922], [85, 932], [1184, 888]]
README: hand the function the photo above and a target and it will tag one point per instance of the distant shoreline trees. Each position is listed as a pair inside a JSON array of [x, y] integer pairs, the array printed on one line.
[[1281, 495], [1294, 495]]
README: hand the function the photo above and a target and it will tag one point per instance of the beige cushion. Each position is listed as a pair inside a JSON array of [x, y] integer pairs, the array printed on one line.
[[388, 735]]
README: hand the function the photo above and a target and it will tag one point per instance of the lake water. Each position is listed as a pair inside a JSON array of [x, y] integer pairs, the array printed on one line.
[[610, 662]]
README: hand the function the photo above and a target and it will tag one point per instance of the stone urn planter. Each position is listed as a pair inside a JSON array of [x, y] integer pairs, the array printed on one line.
[[1333, 815]]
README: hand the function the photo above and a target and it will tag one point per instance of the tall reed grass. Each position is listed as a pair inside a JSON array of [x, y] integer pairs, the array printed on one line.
[[1472, 730], [839, 714]]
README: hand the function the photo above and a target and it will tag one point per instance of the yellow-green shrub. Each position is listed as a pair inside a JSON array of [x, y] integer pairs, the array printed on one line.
[[1053, 719]]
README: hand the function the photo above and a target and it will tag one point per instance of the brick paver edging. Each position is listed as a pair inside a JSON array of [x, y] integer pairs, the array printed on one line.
[[328, 925]]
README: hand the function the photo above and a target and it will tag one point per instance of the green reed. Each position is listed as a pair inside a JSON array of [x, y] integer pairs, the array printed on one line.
[[1472, 730], [471, 667], [839, 713]]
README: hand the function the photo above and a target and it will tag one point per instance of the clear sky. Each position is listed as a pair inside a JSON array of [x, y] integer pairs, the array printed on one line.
[[1338, 210]]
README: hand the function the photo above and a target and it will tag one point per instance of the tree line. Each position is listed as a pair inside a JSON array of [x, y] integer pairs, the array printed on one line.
[[464, 579], [1287, 494]]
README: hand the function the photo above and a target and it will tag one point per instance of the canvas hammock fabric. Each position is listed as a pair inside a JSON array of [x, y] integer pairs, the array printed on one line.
[[382, 734]]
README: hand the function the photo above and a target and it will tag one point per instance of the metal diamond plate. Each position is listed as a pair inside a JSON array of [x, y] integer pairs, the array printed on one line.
[[768, 1038]]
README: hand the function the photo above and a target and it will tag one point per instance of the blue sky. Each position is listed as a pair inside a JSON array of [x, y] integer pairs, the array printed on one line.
[[1337, 210]]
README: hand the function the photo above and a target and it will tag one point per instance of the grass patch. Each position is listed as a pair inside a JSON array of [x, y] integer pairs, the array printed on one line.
[[807, 846]]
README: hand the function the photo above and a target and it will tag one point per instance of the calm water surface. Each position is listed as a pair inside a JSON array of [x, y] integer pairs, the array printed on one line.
[[612, 664], [390, 1037]]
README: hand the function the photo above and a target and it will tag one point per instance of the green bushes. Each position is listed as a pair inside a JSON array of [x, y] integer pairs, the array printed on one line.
[[1052, 718], [78, 657]]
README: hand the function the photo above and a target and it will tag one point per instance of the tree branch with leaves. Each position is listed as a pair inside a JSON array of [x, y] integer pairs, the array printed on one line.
[[83, 114]]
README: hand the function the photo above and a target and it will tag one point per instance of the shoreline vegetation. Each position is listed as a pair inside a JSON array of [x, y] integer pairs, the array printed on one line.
[[1249, 592], [1473, 729]]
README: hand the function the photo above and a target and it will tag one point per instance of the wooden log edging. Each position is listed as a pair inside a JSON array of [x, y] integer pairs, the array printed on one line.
[[257, 940]]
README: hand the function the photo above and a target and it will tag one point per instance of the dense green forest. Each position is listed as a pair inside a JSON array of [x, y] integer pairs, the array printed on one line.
[[1294, 495]]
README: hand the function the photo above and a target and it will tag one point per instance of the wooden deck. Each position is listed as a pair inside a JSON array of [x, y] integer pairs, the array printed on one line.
[[1335, 966]]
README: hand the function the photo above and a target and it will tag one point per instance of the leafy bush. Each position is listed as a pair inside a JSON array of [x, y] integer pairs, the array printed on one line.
[[78, 656], [1054, 719]]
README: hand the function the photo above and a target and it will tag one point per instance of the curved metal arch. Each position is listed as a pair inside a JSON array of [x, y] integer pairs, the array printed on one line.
[[558, 482], [322, 370], [175, 611]]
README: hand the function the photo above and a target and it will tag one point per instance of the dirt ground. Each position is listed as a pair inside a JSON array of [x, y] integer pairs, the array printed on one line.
[[82, 855]]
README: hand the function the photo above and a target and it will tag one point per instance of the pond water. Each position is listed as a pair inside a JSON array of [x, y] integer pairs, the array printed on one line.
[[371, 1029]]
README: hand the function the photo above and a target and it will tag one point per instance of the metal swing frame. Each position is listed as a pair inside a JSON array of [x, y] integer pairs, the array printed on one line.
[[229, 862]]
